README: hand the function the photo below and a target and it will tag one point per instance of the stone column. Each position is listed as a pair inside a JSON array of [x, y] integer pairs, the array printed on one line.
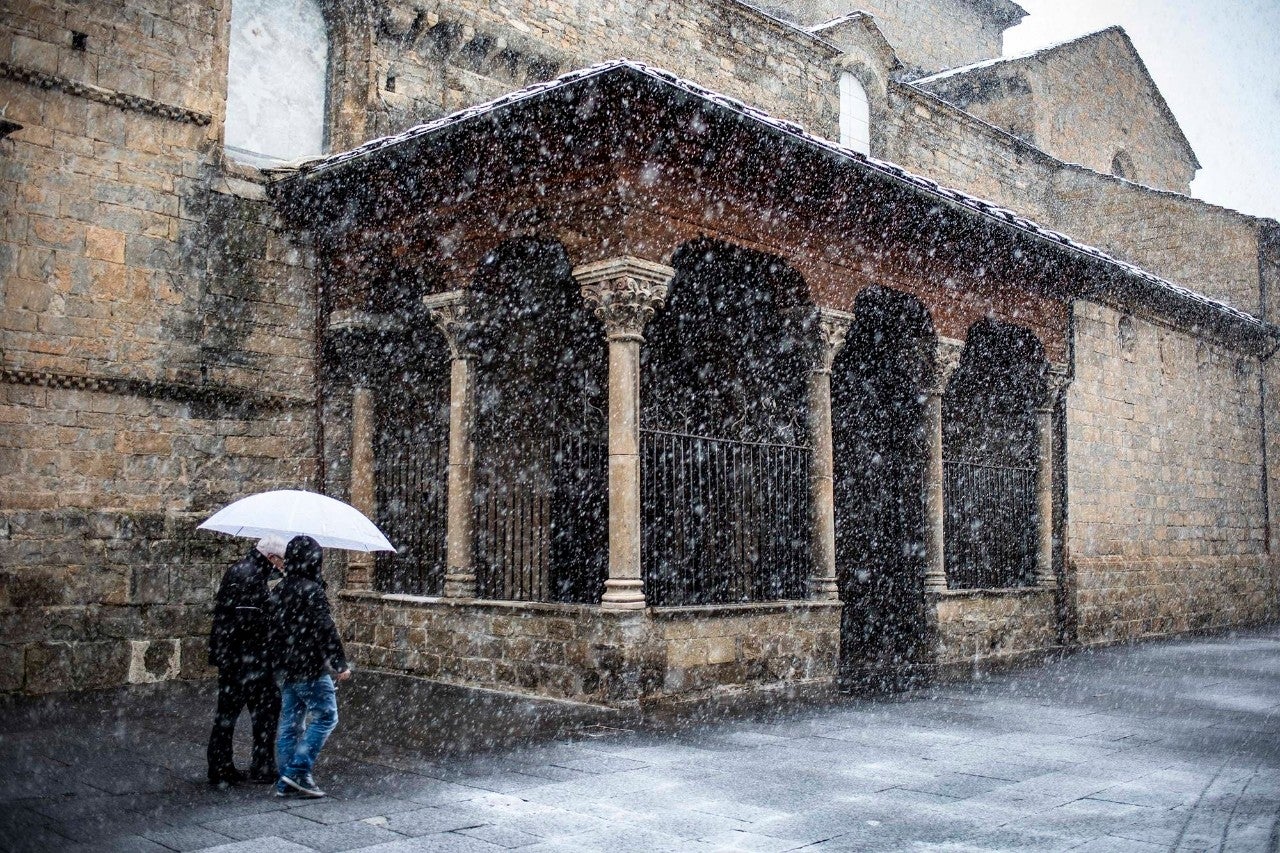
[[1055, 383], [832, 326], [625, 292], [451, 312], [946, 360], [362, 493]]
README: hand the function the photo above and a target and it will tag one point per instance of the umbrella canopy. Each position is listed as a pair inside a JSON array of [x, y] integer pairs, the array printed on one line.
[[290, 512]]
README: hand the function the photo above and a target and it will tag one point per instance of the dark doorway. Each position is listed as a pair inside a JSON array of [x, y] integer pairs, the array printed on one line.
[[879, 455], [989, 444], [541, 503], [723, 442]]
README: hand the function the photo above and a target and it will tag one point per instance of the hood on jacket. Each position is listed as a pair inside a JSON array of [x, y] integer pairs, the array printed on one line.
[[303, 557]]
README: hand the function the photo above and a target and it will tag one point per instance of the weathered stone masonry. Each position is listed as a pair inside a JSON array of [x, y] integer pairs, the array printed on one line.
[[159, 334]]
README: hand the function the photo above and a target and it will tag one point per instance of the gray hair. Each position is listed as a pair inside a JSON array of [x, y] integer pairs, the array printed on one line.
[[271, 546]]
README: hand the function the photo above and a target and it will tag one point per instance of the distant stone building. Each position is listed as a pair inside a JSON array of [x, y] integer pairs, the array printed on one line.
[[773, 356]]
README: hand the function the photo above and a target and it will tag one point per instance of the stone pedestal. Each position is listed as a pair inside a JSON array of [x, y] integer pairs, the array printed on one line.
[[946, 360], [451, 312], [626, 292]]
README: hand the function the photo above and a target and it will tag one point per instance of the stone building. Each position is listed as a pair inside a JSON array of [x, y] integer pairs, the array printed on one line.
[[776, 355]]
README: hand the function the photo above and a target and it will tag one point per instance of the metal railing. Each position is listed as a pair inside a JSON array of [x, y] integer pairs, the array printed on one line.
[[990, 525], [723, 521], [412, 510], [541, 524]]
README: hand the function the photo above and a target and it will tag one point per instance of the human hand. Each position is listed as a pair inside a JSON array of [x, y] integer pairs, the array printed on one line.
[[344, 675]]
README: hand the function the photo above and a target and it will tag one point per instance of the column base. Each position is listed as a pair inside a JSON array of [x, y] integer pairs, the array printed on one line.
[[359, 571], [935, 584], [459, 586], [622, 594], [824, 589]]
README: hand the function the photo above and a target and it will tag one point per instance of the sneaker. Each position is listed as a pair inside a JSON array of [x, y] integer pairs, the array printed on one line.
[[283, 790], [303, 784]]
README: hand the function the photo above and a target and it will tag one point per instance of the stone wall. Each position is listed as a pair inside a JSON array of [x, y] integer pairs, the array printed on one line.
[[990, 627], [1168, 508], [454, 55], [156, 335], [928, 35], [592, 655], [1083, 102], [1163, 232]]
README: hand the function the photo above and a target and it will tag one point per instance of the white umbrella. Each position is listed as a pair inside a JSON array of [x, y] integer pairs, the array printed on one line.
[[290, 512]]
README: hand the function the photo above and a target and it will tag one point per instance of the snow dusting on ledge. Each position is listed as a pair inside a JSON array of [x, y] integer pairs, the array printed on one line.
[[317, 166]]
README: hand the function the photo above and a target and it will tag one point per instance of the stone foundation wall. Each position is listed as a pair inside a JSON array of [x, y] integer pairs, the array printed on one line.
[[587, 654], [1122, 598], [993, 625]]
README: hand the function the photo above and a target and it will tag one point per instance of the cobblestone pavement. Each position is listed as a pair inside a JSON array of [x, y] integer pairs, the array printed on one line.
[[1162, 746]]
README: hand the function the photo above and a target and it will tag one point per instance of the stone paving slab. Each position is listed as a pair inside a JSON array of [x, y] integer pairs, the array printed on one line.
[[1169, 746]]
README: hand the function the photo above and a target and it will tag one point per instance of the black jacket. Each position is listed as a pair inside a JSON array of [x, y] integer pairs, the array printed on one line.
[[304, 641], [242, 616]]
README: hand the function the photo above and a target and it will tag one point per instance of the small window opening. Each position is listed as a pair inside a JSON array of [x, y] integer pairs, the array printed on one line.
[[855, 115], [1122, 166], [79, 41], [391, 81]]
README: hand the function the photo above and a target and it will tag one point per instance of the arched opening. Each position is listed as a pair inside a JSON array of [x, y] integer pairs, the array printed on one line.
[[277, 81], [879, 454], [724, 450], [1122, 166], [540, 437], [990, 446], [855, 114]]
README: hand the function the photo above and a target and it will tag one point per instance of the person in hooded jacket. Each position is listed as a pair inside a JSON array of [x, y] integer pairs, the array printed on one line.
[[307, 654], [238, 648]]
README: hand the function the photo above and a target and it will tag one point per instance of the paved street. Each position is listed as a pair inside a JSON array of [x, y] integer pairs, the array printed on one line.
[[1162, 746]]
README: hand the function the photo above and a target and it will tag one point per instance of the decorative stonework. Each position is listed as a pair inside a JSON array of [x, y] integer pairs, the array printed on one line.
[[136, 103], [452, 313], [832, 328], [946, 358], [625, 292], [1056, 382], [152, 388]]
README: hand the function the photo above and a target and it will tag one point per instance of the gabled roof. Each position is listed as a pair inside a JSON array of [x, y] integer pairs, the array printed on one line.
[[866, 22], [1125, 280], [1043, 53]]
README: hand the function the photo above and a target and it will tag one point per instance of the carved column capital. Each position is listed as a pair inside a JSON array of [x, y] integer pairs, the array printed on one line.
[[625, 292], [946, 358], [451, 312], [831, 327], [1056, 381]]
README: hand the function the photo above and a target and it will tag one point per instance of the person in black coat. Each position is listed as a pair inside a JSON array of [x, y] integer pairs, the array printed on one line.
[[307, 655], [238, 648]]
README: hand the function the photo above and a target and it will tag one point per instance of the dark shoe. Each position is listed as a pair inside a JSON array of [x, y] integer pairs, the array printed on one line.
[[226, 778], [263, 777], [283, 790], [303, 784]]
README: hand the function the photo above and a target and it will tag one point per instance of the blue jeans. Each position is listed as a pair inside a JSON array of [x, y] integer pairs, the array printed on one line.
[[308, 715]]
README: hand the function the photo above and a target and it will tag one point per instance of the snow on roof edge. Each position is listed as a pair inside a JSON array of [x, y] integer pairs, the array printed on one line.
[[957, 197]]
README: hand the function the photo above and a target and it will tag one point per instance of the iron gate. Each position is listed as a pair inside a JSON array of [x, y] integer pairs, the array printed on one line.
[[412, 471], [990, 525], [541, 522], [723, 521]]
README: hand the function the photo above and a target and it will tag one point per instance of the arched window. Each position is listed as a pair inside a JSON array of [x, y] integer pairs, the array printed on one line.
[[276, 80], [855, 115], [1122, 165]]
